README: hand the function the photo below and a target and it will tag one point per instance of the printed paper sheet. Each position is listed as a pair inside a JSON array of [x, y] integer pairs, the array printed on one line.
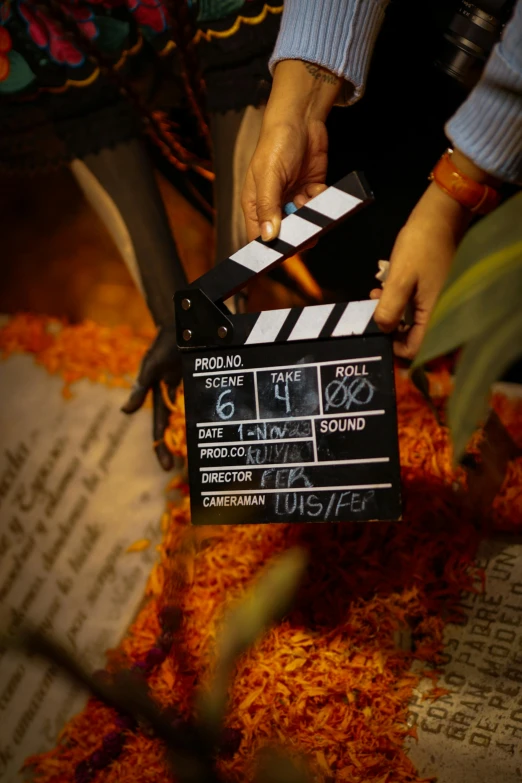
[[474, 733], [78, 484]]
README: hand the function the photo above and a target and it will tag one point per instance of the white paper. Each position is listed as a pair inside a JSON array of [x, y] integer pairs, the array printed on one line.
[[79, 483], [474, 734]]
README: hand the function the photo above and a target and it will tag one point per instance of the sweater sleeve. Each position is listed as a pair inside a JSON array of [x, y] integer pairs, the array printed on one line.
[[336, 34], [488, 126]]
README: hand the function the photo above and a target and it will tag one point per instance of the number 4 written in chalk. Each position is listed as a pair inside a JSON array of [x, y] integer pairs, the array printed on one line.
[[286, 397]]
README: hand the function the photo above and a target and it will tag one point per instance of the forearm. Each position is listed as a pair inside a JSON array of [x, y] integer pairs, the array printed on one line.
[[487, 128], [338, 35]]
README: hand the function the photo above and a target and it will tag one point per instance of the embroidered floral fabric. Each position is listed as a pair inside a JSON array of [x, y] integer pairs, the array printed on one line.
[[36, 52], [208, 10], [56, 100]]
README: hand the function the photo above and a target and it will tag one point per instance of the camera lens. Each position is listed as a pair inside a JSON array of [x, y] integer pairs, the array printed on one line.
[[469, 39]]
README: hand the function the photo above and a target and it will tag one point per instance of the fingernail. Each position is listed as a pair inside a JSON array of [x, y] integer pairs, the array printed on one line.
[[267, 231], [290, 208]]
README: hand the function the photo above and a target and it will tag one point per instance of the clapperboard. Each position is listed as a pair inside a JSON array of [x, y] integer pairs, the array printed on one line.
[[291, 413]]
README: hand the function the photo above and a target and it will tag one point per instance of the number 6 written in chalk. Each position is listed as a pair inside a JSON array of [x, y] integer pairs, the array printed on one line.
[[225, 410]]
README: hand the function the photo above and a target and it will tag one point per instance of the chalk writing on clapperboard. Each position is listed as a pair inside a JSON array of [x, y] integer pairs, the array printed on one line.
[[341, 394], [225, 409], [286, 395], [307, 439]]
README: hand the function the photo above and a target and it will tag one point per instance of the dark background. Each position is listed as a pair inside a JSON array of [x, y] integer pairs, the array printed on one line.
[[394, 134]]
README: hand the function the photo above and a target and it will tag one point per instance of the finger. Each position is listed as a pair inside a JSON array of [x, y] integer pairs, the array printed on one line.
[[161, 357], [376, 293], [392, 302], [151, 368], [309, 245], [248, 204], [289, 209], [172, 379], [135, 399], [160, 421], [408, 344], [314, 189], [311, 190], [269, 198], [302, 198]]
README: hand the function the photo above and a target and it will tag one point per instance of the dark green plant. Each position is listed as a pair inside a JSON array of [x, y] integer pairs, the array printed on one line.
[[480, 310], [265, 603], [191, 745]]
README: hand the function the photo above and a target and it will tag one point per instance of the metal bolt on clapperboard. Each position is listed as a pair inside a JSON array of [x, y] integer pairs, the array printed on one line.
[[291, 413]]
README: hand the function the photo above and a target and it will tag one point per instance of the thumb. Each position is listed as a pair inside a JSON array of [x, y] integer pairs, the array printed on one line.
[[392, 302], [268, 204]]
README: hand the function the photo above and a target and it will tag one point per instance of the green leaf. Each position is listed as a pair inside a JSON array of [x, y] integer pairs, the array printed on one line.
[[483, 361], [275, 766], [187, 750], [20, 75], [485, 284], [112, 33], [421, 382], [264, 603]]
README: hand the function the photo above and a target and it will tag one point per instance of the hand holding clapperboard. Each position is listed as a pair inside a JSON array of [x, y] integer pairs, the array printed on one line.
[[290, 414]]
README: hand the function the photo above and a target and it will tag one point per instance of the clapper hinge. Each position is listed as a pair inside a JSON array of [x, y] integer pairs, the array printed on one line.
[[200, 322]]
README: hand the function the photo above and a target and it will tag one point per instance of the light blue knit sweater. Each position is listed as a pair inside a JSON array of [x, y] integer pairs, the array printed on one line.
[[340, 35]]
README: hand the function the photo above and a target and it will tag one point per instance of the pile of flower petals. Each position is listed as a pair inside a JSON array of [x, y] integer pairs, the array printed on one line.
[[87, 350], [329, 681]]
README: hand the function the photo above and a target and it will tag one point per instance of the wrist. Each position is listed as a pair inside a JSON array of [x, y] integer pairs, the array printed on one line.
[[471, 170], [438, 208], [302, 92], [446, 205], [459, 177]]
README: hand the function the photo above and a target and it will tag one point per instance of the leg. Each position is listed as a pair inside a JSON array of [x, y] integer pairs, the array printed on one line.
[[234, 138], [120, 185]]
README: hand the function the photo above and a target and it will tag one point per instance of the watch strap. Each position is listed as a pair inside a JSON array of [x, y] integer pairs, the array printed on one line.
[[475, 196]]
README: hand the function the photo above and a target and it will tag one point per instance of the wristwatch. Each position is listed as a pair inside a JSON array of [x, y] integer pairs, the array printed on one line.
[[475, 196]]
